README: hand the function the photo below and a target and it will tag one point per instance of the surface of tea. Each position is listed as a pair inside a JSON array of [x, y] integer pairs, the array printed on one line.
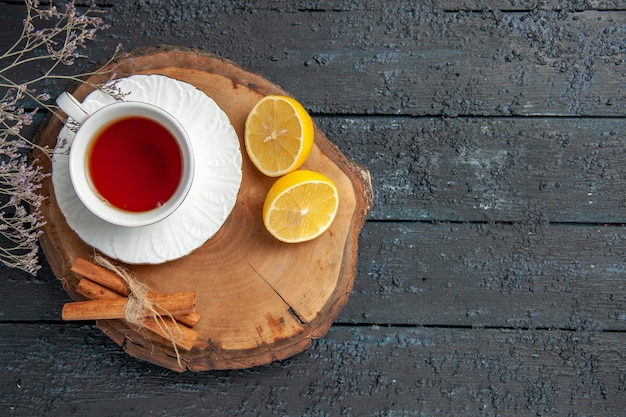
[[135, 164]]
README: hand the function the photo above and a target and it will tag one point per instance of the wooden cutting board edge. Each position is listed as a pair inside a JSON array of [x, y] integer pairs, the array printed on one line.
[[159, 351]]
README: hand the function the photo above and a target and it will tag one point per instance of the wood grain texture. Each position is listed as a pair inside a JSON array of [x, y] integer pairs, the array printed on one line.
[[362, 371], [526, 5], [490, 279], [259, 299], [396, 58], [564, 170], [523, 275]]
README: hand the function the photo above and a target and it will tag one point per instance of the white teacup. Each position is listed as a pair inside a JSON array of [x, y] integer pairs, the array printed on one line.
[[131, 163]]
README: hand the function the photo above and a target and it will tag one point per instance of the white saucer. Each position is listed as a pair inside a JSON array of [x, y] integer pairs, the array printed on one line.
[[212, 196]]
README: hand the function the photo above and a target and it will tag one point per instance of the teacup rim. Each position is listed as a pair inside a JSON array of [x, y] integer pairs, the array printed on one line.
[[79, 171]]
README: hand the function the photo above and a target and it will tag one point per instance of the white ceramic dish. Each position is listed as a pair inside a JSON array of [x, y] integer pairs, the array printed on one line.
[[212, 195]]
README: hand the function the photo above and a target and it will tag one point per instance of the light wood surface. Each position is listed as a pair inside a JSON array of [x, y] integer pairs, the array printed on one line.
[[259, 299]]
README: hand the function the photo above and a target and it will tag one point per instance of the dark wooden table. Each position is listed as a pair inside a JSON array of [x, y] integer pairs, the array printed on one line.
[[492, 270]]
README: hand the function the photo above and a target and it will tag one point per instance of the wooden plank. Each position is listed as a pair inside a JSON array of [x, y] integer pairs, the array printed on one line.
[[27, 298], [389, 60], [447, 5], [524, 275], [75, 370], [489, 169], [527, 5], [529, 274]]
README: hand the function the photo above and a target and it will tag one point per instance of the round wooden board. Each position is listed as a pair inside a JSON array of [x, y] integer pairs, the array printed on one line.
[[260, 300]]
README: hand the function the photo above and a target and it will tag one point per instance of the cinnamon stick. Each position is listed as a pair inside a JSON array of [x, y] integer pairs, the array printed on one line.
[[101, 284], [95, 291], [178, 332], [189, 319], [183, 336], [101, 276], [174, 303]]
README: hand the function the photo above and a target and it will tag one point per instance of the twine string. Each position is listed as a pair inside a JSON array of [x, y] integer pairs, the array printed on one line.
[[139, 307]]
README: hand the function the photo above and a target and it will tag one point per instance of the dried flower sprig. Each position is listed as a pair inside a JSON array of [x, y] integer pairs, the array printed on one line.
[[52, 37]]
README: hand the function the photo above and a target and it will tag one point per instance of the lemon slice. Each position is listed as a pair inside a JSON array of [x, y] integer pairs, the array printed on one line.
[[300, 206], [278, 135]]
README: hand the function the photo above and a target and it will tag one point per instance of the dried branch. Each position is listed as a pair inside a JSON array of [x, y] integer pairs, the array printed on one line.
[[54, 36]]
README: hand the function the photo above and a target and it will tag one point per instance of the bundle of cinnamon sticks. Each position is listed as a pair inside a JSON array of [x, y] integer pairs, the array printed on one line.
[[108, 294]]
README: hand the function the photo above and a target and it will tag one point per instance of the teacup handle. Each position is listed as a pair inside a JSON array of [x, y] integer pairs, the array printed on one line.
[[72, 107]]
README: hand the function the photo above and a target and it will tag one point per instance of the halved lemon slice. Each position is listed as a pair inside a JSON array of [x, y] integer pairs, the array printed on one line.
[[279, 135], [300, 206]]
